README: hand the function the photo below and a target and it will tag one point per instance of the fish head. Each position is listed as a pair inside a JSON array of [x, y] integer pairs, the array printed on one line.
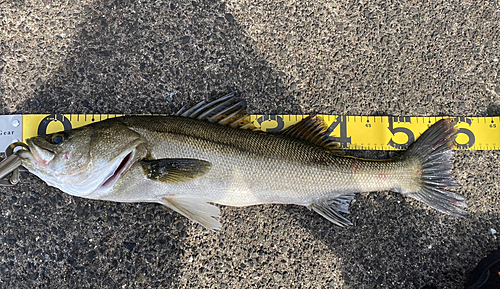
[[86, 161]]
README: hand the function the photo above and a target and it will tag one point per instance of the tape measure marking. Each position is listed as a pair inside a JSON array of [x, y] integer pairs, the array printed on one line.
[[393, 133], [351, 132]]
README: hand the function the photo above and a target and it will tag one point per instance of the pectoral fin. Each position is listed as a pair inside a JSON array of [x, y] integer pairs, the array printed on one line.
[[174, 170], [331, 209], [196, 208]]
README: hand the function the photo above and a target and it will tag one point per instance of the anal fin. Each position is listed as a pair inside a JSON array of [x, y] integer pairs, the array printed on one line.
[[196, 208], [331, 209]]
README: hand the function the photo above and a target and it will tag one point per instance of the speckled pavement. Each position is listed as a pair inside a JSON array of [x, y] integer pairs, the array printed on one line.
[[416, 58]]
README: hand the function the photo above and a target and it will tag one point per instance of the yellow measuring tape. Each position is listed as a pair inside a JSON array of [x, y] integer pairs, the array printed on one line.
[[351, 132]]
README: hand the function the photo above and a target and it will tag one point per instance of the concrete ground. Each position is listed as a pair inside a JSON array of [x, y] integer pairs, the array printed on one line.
[[416, 58]]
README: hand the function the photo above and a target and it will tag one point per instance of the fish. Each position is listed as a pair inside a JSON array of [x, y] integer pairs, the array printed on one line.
[[206, 156]]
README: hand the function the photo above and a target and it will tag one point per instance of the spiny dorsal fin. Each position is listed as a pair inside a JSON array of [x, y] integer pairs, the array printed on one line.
[[174, 170], [312, 129], [228, 110]]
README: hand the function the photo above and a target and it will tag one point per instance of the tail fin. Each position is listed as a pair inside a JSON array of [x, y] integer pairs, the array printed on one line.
[[434, 151]]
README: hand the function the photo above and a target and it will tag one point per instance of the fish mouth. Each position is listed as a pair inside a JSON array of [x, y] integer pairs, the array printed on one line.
[[122, 165], [40, 155]]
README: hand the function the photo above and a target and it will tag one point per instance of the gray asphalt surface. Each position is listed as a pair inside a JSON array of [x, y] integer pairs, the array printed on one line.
[[415, 58]]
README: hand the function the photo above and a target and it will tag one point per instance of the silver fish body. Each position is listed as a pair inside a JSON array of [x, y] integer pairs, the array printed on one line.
[[250, 168], [187, 163]]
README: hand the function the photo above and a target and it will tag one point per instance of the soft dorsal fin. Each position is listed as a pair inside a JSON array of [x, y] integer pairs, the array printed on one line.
[[228, 110], [312, 129]]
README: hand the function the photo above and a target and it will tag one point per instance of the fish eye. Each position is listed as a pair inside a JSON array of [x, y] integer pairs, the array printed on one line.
[[57, 138]]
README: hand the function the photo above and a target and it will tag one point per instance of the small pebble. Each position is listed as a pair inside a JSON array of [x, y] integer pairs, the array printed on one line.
[[130, 246]]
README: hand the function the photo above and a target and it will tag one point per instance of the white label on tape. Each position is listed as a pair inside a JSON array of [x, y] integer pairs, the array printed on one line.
[[11, 130]]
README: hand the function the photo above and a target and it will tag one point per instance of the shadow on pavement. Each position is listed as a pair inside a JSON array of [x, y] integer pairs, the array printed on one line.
[[127, 57]]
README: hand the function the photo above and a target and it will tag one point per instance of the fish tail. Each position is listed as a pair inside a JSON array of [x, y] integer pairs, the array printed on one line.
[[434, 152]]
